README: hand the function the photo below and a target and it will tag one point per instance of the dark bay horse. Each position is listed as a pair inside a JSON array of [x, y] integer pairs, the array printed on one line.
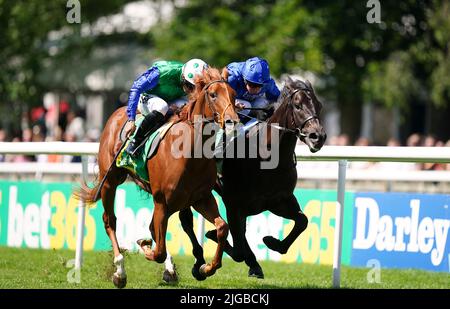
[[249, 190], [176, 182]]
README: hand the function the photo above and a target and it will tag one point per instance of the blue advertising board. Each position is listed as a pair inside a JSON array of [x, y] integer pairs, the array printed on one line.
[[401, 230]]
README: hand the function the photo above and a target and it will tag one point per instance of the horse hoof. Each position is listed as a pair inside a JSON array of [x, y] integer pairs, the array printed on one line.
[[212, 235], [197, 274], [169, 277], [256, 272], [144, 242], [274, 244], [120, 283], [204, 272]]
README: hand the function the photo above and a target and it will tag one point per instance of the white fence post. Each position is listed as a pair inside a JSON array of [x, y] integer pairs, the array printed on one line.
[[81, 218], [339, 223], [200, 229]]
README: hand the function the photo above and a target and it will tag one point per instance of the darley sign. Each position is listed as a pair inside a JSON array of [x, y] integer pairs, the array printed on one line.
[[401, 230]]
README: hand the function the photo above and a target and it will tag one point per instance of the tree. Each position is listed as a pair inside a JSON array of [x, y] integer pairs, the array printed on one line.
[[415, 69], [226, 31], [24, 46], [439, 22], [332, 39]]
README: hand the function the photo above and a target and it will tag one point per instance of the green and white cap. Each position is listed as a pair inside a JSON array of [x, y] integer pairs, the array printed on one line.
[[193, 67]]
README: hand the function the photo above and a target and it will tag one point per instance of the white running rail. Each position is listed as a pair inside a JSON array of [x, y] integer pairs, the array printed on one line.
[[342, 154]]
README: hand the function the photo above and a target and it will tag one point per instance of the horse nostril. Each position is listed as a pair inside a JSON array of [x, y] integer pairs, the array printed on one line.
[[313, 137], [229, 122]]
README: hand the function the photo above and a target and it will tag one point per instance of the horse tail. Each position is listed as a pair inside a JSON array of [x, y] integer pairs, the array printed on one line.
[[86, 194]]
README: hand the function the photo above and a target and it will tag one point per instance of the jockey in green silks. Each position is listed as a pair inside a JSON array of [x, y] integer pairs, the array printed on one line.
[[163, 84]]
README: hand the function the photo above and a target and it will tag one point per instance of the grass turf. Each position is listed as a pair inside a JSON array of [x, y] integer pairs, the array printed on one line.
[[47, 269]]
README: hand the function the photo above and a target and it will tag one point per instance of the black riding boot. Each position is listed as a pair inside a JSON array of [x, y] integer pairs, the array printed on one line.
[[149, 125]]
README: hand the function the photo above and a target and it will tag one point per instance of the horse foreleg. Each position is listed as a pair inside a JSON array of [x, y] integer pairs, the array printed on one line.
[[207, 207], [241, 250], [237, 228], [158, 228], [212, 235], [187, 222], [290, 210], [254, 269], [170, 273], [237, 223]]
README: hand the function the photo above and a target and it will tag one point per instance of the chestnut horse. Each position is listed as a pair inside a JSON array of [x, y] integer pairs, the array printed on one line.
[[249, 190], [176, 182]]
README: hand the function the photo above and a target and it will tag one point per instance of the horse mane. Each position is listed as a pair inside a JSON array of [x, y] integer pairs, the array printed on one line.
[[289, 87], [210, 74]]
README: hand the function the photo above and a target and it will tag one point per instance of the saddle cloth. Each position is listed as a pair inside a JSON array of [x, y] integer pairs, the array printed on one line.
[[138, 165]]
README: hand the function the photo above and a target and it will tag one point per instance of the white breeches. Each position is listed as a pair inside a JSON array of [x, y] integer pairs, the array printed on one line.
[[149, 103]]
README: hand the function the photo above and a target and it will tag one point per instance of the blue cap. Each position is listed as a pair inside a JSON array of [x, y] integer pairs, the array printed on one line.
[[256, 70]]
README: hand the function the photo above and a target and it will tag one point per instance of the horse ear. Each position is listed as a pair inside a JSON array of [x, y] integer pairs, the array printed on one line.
[[224, 73], [289, 82], [200, 80], [308, 83]]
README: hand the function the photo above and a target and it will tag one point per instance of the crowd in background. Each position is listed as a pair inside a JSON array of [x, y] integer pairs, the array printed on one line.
[[69, 124], [41, 125]]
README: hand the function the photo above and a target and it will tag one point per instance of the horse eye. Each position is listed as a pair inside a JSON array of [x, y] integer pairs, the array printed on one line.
[[213, 95]]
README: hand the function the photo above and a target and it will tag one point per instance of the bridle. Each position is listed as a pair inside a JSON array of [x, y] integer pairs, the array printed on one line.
[[221, 116], [299, 129]]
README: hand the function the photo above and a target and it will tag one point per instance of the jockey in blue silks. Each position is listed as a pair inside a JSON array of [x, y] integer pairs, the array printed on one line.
[[252, 82], [254, 89]]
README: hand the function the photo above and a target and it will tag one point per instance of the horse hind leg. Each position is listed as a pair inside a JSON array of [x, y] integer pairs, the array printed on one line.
[[186, 219], [208, 209], [109, 219]]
